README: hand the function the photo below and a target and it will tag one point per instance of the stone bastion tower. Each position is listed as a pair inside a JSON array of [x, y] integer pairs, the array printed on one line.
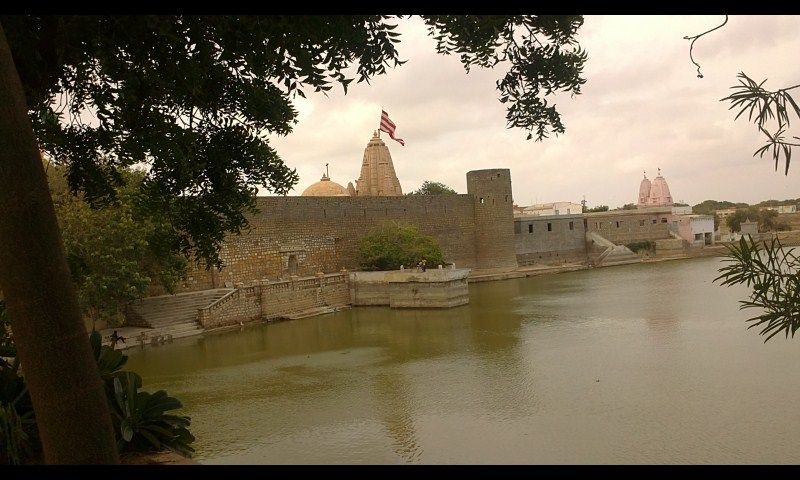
[[378, 178], [494, 218]]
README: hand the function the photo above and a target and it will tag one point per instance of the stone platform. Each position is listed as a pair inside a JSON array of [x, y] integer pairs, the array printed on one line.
[[435, 288]]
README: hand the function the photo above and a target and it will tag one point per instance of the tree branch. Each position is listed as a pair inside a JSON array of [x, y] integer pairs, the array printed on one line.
[[694, 39]]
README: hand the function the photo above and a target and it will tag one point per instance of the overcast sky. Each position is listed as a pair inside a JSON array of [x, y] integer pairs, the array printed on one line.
[[642, 108]]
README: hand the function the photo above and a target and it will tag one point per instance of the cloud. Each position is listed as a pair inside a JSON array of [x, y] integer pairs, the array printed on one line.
[[642, 108]]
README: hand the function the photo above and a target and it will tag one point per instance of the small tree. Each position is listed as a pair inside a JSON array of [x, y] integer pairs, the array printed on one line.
[[433, 188], [393, 245], [773, 273], [116, 251]]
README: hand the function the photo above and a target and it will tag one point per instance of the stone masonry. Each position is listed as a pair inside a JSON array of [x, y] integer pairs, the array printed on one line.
[[307, 235]]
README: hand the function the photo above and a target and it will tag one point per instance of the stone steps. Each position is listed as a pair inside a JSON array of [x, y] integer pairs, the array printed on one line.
[[174, 314]]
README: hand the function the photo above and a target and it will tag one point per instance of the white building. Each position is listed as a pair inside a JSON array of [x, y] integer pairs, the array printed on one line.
[[555, 208], [687, 210], [783, 208], [698, 230]]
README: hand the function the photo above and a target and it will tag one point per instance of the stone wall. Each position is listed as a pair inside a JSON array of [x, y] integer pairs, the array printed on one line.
[[494, 218], [280, 299], [239, 306], [369, 288], [436, 288], [445, 294], [627, 226], [269, 300], [307, 235], [549, 240], [670, 247]]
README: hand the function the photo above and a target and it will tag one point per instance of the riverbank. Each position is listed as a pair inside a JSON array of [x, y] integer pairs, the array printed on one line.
[[248, 312]]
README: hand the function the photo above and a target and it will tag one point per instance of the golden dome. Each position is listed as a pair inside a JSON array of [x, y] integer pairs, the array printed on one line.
[[325, 188]]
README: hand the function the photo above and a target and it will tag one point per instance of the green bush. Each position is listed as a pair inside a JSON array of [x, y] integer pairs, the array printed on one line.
[[637, 247], [392, 245]]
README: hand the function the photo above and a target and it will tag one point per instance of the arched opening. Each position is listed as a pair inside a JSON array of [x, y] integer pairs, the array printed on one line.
[[292, 264]]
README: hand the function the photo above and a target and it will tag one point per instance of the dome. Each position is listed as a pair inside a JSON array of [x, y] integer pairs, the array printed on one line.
[[644, 191], [325, 188], [659, 192]]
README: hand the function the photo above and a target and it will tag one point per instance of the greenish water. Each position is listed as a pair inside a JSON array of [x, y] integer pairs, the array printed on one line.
[[646, 363]]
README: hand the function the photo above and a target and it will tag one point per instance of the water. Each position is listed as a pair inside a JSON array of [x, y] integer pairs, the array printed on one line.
[[646, 363]]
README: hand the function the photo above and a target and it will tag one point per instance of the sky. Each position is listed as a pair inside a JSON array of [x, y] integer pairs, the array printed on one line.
[[642, 108]]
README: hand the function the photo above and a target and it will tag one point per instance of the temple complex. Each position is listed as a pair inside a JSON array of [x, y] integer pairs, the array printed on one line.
[[655, 194]]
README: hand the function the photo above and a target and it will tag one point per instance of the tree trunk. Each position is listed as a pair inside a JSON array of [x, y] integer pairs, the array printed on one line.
[[72, 413]]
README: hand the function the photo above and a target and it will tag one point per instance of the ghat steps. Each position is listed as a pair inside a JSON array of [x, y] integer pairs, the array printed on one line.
[[172, 315]]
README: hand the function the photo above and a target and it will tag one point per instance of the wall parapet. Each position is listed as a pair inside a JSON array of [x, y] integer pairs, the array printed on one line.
[[268, 300]]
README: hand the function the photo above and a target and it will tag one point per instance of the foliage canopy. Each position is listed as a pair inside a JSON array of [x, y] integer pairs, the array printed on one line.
[[393, 245], [767, 219], [433, 188], [115, 251], [196, 98]]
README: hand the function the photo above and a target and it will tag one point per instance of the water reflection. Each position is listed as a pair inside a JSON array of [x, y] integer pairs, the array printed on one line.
[[631, 364], [396, 406]]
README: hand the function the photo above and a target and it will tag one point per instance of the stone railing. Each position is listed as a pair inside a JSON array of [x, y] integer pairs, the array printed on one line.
[[275, 299]]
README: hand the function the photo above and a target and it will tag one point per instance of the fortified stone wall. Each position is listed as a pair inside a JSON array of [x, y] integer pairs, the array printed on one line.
[[622, 228], [549, 240], [494, 218], [306, 235]]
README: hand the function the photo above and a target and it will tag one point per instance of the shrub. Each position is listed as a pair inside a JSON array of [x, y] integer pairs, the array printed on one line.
[[646, 245], [392, 245]]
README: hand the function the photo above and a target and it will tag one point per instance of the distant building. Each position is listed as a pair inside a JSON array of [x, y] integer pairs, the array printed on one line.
[[555, 208], [682, 210], [655, 193], [626, 226], [723, 213], [783, 208], [325, 188], [695, 229], [748, 228]]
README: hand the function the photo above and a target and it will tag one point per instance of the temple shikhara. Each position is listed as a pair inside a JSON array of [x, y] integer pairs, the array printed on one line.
[[377, 179], [655, 194]]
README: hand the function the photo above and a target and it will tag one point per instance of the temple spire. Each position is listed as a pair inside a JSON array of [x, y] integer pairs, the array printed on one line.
[[378, 177]]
